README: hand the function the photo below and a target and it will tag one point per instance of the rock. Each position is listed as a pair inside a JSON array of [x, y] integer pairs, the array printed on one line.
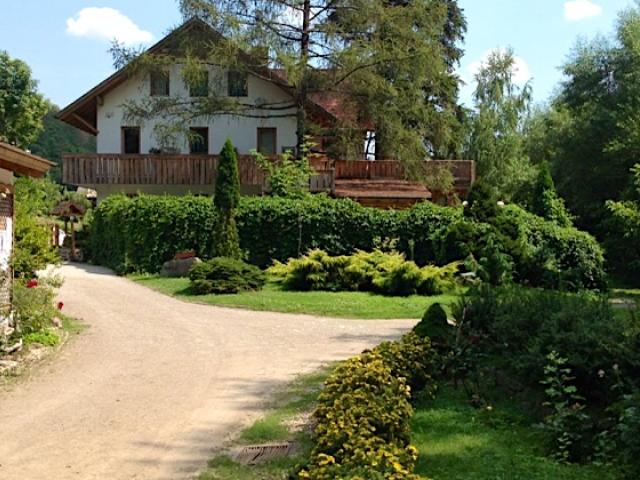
[[7, 366], [56, 322], [179, 267], [13, 348]]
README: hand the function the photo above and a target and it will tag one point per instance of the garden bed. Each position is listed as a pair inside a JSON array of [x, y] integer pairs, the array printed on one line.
[[357, 305]]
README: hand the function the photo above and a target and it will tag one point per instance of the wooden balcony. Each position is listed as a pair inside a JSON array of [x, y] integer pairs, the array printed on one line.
[[354, 179], [112, 169]]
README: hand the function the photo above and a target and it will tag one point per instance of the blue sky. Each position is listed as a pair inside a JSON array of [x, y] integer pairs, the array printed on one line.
[[66, 41]]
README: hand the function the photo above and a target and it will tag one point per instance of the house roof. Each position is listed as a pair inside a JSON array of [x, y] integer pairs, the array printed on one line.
[[82, 113], [18, 161]]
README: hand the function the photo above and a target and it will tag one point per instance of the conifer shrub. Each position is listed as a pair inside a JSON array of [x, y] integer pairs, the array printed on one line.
[[388, 273], [225, 275], [226, 240]]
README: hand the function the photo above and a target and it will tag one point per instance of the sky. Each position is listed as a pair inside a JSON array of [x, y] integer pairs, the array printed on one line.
[[66, 42]]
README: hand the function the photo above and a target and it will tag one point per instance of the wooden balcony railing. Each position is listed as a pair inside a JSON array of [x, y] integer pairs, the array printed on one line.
[[92, 170], [463, 171], [105, 169]]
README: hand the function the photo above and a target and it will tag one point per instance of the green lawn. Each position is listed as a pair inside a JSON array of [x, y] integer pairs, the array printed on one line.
[[279, 424], [358, 305], [458, 442]]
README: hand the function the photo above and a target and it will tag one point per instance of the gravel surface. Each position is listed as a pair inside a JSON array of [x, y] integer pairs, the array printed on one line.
[[155, 385]]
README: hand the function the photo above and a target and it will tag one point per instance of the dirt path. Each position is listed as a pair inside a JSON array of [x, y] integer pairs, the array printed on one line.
[[155, 384]]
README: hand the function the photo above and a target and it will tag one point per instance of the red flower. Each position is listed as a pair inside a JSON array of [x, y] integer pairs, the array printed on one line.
[[60, 305], [33, 283]]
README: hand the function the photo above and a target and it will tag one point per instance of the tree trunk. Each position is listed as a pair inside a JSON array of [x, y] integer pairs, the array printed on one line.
[[301, 100]]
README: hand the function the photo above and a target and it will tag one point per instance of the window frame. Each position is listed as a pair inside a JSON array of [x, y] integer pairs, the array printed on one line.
[[203, 132], [261, 131], [233, 79], [123, 141], [154, 78], [193, 93]]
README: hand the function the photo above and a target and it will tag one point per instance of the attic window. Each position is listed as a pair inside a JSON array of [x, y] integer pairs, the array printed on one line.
[[237, 83], [160, 84]]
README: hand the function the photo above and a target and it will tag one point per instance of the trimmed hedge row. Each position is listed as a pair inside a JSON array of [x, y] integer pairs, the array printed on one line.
[[139, 234], [363, 414]]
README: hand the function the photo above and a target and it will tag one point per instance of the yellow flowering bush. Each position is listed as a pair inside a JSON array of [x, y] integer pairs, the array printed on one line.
[[363, 414]]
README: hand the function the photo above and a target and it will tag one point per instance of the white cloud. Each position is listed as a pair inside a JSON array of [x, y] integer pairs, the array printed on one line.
[[107, 24], [576, 10], [521, 71]]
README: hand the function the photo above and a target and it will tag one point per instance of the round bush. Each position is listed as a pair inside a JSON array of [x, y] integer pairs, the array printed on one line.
[[225, 275]]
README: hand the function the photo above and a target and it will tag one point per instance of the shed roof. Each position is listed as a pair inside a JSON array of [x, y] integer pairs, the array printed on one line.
[[18, 161]]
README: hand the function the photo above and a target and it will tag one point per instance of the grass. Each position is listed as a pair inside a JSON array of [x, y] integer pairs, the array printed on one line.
[[459, 442], [277, 425], [356, 305]]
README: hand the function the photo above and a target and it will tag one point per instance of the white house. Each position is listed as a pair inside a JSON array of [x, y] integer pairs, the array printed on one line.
[[130, 155], [133, 156]]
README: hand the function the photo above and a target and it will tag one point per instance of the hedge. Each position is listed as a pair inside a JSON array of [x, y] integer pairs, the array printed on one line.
[[363, 414], [139, 234]]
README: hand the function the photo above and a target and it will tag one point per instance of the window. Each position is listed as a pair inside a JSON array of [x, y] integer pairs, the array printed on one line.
[[199, 141], [237, 84], [200, 88], [267, 143], [159, 84], [131, 140]]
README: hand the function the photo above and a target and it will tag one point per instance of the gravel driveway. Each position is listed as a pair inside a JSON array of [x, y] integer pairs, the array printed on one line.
[[155, 384]]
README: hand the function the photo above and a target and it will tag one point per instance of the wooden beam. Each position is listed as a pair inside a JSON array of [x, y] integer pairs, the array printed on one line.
[[84, 123]]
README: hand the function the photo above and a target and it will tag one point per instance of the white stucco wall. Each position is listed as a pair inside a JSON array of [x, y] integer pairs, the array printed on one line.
[[241, 130], [6, 233]]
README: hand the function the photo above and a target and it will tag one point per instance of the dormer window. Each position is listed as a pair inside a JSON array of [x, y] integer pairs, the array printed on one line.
[[238, 85], [160, 84], [200, 88]]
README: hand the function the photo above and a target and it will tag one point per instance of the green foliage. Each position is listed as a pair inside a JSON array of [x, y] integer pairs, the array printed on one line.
[[434, 324], [288, 177], [315, 271], [567, 418], [516, 334], [58, 137], [622, 442], [526, 325], [482, 202], [34, 199], [363, 414], [545, 201], [225, 275], [622, 241], [48, 338], [377, 271], [337, 226], [34, 307], [21, 106], [139, 234], [227, 196], [526, 248], [497, 128]]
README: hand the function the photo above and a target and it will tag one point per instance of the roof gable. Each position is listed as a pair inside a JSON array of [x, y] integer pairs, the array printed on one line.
[[82, 113]]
